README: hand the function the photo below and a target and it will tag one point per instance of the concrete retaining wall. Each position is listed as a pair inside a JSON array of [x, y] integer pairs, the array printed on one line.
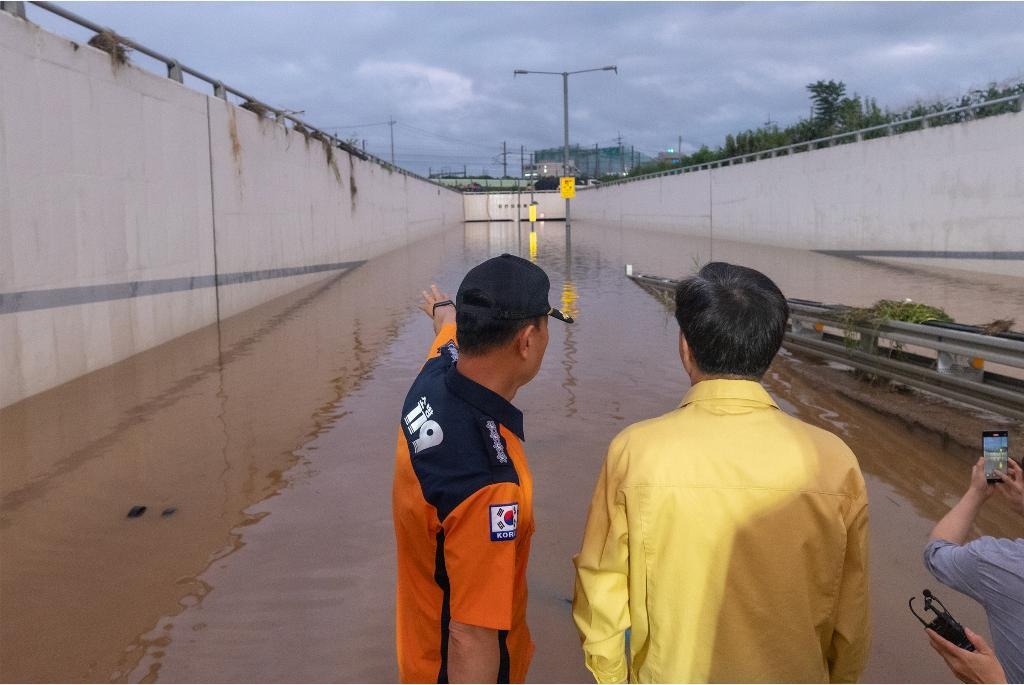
[[134, 209], [944, 189]]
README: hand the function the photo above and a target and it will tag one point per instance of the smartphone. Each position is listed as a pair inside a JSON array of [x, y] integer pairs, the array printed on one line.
[[995, 446]]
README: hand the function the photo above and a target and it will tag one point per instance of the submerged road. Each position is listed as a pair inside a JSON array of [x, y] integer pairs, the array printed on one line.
[[263, 452]]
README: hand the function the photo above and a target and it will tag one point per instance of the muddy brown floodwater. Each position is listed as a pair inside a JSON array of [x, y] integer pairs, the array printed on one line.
[[268, 440]]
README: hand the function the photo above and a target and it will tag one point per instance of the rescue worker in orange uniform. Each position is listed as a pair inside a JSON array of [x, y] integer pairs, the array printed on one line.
[[462, 495]]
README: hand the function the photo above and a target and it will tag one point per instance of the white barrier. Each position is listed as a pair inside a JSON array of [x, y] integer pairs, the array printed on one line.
[[957, 188], [134, 209]]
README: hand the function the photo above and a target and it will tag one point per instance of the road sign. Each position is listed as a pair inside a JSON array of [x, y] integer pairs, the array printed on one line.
[[568, 187]]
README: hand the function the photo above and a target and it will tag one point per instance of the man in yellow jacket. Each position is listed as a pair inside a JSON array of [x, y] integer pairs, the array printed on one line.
[[727, 537]]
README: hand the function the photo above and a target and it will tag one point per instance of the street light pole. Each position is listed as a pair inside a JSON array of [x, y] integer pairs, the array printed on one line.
[[565, 129], [565, 115]]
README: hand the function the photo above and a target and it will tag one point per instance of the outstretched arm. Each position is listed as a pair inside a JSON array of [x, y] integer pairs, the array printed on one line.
[[955, 526]]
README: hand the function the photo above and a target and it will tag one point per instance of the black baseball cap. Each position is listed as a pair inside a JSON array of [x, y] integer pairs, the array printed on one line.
[[505, 288]]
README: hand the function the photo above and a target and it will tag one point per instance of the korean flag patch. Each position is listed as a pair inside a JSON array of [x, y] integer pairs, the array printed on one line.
[[504, 519]]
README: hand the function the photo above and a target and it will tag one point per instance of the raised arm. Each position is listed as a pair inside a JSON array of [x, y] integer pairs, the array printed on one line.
[[955, 526]]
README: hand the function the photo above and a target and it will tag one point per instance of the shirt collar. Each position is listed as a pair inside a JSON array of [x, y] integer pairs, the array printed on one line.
[[714, 390], [486, 400]]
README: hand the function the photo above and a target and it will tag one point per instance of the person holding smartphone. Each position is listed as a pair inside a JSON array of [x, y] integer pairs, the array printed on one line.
[[989, 570]]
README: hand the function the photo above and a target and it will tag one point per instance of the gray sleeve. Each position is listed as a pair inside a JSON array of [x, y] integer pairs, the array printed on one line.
[[955, 566]]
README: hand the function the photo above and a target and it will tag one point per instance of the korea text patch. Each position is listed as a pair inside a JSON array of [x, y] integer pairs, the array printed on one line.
[[504, 520]]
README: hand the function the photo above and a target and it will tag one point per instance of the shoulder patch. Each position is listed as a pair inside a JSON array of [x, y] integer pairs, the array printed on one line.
[[422, 431], [504, 521], [449, 349], [497, 448]]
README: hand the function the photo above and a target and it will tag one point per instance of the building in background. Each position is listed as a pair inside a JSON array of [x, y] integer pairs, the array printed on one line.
[[592, 162]]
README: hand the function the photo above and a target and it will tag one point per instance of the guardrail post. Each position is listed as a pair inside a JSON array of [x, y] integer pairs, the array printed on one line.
[[1020, 103], [806, 329], [219, 91], [889, 130], [15, 8], [924, 123], [174, 72], [868, 343], [960, 365], [860, 136]]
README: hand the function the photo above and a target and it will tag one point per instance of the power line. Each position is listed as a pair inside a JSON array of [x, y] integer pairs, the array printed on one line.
[[379, 123], [445, 137]]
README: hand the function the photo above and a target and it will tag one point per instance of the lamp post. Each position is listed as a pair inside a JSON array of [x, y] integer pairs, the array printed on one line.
[[565, 114]]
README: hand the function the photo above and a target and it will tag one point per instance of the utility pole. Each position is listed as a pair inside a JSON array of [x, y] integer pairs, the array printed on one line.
[[679, 148], [504, 160], [622, 159], [391, 123], [522, 161], [597, 161]]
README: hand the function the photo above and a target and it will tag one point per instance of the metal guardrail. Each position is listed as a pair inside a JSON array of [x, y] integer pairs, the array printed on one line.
[[176, 71], [945, 359], [829, 141]]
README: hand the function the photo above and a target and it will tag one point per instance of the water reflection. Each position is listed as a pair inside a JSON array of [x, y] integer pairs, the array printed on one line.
[[207, 425], [569, 306], [273, 437]]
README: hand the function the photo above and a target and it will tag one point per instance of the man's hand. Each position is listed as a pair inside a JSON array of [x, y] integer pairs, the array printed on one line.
[[980, 666], [1012, 487], [440, 315]]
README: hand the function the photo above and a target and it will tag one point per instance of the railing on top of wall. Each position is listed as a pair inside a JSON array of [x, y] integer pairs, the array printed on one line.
[[176, 71], [829, 141]]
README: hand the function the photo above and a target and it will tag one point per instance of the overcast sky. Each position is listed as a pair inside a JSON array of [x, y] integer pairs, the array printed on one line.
[[443, 71]]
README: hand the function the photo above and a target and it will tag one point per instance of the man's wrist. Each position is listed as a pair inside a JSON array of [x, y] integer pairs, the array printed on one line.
[[442, 303]]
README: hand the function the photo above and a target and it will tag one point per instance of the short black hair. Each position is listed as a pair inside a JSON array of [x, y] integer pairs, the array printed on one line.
[[733, 319], [478, 334]]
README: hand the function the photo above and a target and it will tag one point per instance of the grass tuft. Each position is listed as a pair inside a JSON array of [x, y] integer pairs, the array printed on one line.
[[257, 108], [108, 42]]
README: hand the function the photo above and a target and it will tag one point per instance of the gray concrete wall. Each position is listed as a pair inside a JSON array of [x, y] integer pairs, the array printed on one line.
[[956, 188], [126, 198]]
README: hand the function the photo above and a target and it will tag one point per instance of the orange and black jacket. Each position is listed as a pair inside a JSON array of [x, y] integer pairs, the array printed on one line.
[[463, 514]]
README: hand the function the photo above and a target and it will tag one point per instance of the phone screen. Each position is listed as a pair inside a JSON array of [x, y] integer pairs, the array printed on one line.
[[995, 445]]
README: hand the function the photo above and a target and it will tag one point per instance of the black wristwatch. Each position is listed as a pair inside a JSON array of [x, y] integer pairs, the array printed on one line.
[[442, 303]]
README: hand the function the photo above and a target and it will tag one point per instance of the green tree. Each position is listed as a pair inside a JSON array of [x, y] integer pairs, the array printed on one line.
[[827, 97]]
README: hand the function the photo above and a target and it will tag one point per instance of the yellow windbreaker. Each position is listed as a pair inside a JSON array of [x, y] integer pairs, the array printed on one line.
[[731, 540]]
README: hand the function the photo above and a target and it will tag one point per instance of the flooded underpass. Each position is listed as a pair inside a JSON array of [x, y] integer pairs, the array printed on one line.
[[262, 450]]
